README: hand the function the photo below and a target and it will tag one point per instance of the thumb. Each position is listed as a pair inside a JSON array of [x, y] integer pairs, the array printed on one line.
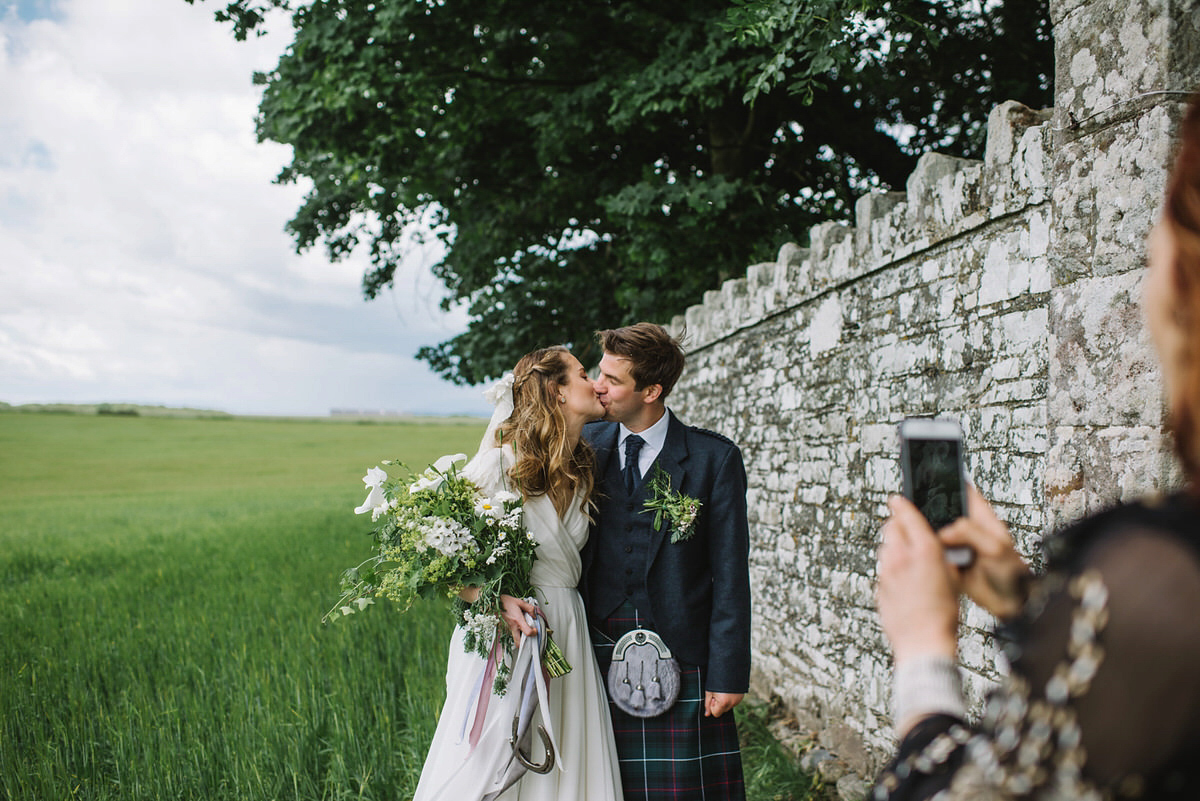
[[956, 533], [963, 531]]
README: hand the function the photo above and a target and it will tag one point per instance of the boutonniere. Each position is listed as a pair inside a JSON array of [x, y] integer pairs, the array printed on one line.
[[679, 509]]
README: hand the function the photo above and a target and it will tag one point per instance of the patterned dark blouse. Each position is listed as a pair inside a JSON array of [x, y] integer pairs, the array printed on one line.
[[1104, 697]]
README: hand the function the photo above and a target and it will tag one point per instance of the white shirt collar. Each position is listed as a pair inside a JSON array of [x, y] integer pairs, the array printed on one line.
[[655, 436]]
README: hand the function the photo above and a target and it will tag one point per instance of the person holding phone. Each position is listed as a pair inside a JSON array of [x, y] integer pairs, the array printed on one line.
[[1103, 700]]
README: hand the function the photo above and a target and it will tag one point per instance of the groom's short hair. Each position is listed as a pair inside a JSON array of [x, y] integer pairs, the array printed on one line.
[[655, 356]]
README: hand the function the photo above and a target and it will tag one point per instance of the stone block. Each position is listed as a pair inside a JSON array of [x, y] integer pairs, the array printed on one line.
[[1090, 469], [1109, 186], [825, 330], [851, 788], [1183, 26], [1032, 164], [733, 300], [1102, 367], [696, 320], [874, 226], [941, 191], [832, 254], [1007, 124], [1106, 53], [791, 254]]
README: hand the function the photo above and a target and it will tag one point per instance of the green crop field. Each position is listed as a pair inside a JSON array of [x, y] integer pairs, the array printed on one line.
[[161, 586]]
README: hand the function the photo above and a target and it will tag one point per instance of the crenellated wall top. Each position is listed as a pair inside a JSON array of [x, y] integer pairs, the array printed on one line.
[[945, 198]]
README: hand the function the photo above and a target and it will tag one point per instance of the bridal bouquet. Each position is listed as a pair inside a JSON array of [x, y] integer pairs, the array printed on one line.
[[435, 534]]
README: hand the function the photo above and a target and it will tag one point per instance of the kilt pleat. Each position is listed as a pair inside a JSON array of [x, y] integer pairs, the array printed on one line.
[[680, 754]]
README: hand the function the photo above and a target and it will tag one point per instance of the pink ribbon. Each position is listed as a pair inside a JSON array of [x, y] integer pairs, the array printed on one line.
[[485, 692]]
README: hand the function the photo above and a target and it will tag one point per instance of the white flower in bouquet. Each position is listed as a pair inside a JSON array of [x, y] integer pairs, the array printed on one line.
[[498, 552], [513, 521], [361, 603], [489, 507], [448, 537], [433, 476], [479, 624], [375, 502]]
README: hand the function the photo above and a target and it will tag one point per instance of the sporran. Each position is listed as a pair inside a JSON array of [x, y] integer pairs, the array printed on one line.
[[643, 679]]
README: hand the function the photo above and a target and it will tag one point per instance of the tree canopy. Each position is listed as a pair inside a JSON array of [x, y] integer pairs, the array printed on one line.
[[590, 164]]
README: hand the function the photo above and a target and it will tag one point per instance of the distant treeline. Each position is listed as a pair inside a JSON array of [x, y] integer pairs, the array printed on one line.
[[117, 409], [137, 410]]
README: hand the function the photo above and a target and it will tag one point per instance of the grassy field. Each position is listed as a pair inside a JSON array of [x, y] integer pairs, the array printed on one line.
[[162, 582]]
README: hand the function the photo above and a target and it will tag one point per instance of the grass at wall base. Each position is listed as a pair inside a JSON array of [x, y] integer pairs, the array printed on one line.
[[161, 581]]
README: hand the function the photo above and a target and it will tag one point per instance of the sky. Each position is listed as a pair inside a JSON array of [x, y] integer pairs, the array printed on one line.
[[143, 257]]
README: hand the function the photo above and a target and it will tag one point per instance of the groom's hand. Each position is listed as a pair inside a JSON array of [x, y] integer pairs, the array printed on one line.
[[717, 704]]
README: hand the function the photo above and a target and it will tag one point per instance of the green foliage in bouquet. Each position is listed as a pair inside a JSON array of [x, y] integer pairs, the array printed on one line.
[[437, 533]]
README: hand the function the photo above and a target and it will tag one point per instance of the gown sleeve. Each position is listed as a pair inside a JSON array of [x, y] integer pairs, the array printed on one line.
[[1104, 694]]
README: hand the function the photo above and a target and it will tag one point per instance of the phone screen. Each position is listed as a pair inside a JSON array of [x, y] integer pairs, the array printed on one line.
[[936, 479]]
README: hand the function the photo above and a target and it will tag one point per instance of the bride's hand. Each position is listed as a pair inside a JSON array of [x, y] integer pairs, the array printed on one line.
[[514, 613]]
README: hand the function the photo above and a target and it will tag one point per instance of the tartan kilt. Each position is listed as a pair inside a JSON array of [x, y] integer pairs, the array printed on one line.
[[680, 754]]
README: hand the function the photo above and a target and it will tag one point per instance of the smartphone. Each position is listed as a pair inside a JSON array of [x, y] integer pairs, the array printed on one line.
[[931, 464]]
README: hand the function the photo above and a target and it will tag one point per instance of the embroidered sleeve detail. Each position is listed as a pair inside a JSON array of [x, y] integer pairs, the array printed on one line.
[[1028, 743]]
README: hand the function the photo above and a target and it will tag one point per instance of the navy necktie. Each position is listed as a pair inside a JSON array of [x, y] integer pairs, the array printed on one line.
[[633, 446]]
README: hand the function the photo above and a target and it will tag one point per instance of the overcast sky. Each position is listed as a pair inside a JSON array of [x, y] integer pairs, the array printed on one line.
[[142, 252]]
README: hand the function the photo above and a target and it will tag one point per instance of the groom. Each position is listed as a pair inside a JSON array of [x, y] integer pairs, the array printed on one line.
[[694, 592]]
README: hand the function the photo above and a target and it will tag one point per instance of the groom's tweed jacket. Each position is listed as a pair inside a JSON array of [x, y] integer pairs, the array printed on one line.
[[699, 588]]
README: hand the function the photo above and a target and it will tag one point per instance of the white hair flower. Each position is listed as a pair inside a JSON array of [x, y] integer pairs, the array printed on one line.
[[499, 390]]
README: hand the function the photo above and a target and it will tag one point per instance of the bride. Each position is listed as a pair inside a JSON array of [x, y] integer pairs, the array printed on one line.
[[534, 443]]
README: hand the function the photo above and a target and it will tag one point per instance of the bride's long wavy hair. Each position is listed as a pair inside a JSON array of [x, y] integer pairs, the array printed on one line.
[[537, 430]]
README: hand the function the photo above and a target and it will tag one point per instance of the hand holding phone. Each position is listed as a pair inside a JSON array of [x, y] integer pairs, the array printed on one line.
[[931, 464]]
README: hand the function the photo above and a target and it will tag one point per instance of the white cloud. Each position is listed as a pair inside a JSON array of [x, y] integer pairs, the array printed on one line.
[[142, 252]]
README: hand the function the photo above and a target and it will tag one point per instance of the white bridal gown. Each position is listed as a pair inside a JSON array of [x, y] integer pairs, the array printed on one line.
[[586, 768]]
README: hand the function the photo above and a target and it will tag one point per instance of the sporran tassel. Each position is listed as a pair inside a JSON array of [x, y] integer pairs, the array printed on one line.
[[638, 698], [654, 690]]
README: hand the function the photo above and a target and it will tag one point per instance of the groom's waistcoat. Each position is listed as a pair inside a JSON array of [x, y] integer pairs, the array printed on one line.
[[622, 550]]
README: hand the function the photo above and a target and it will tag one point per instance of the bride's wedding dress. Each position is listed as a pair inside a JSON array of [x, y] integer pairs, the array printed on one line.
[[586, 765]]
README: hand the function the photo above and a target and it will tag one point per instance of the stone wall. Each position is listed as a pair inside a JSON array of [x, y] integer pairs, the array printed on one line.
[[1001, 292]]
